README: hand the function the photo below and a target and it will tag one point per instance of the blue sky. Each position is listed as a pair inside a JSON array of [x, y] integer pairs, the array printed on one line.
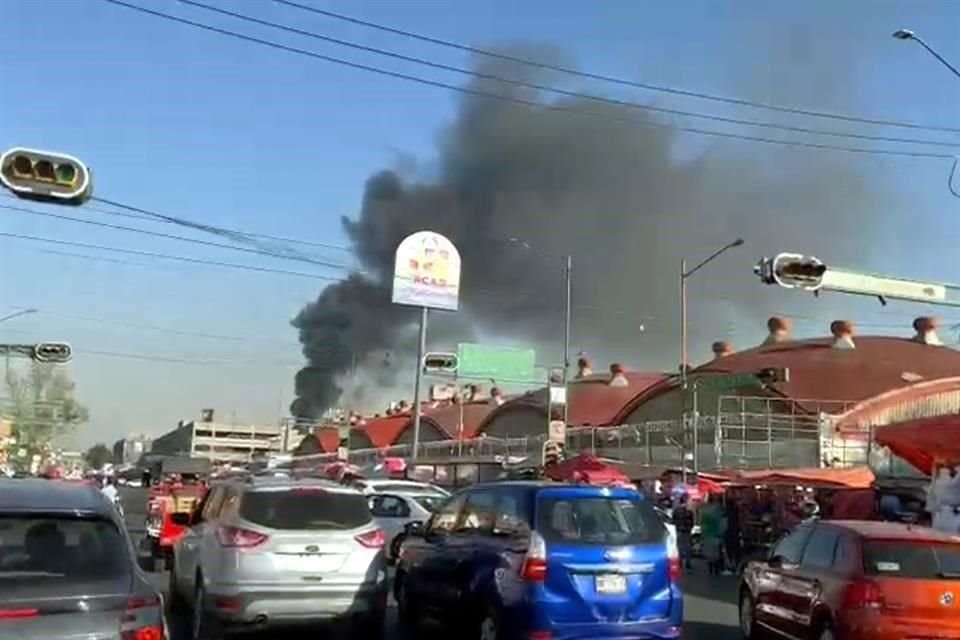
[[203, 127]]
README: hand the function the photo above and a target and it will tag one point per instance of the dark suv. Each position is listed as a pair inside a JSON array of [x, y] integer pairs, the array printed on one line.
[[538, 560]]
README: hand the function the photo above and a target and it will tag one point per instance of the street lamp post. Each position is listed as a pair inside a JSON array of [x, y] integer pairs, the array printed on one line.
[[684, 276], [907, 34], [567, 309]]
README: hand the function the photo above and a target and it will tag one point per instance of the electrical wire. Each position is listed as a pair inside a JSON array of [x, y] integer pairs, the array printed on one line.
[[167, 256], [169, 236], [613, 79], [558, 91], [530, 103]]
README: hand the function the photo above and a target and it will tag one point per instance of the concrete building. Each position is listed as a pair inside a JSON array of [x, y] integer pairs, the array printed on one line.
[[127, 451], [222, 442]]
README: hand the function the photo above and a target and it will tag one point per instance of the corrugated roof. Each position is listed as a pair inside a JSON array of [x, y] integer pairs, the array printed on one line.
[[819, 372], [384, 431], [447, 417], [592, 401]]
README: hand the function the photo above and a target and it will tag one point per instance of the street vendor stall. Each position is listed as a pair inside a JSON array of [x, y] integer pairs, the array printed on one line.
[[181, 486], [587, 469]]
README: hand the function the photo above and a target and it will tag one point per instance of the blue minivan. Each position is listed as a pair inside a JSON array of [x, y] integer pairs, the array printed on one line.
[[542, 561]]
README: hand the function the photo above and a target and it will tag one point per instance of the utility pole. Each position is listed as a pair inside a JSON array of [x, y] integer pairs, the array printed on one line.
[[695, 436]]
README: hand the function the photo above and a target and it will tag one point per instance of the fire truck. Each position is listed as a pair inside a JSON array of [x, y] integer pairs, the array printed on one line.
[[177, 485]]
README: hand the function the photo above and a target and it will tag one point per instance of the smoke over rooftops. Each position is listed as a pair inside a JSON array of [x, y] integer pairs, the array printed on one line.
[[611, 193]]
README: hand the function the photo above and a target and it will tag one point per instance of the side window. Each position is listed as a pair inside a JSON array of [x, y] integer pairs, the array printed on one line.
[[231, 501], [821, 549], [511, 515], [212, 508], [478, 513], [384, 506], [445, 519], [790, 548]]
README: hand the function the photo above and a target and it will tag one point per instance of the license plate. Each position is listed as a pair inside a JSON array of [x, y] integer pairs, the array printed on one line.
[[611, 584]]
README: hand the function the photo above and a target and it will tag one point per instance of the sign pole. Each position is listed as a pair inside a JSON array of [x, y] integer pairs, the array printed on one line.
[[421, 349]]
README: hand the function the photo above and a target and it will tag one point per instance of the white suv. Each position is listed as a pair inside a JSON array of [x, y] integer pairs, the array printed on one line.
[[269, 552]]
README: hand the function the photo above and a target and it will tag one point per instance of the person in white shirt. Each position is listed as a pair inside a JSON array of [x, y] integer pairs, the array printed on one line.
[[110, 490]]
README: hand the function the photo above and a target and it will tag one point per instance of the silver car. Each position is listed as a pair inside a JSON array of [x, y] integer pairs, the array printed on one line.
[[268, 552], [395, 510], [68, 569]]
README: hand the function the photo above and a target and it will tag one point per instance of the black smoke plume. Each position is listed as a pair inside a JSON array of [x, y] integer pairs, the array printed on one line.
[[627, 199]]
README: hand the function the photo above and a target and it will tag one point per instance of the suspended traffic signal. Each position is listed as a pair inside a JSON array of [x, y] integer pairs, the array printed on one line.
[[441, 362], [45, 176], [792, 271], [52, 352]]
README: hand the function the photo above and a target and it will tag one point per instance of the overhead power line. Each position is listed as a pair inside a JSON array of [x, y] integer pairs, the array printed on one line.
[[558, 91], [613, 79], [521, 101], [146, 214], [170, 236], [167, 256]]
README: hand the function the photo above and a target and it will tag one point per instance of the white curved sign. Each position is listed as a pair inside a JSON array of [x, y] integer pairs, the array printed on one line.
[[426, 272]]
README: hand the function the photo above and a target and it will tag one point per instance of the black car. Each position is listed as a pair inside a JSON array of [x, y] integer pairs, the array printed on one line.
[[68, 567]]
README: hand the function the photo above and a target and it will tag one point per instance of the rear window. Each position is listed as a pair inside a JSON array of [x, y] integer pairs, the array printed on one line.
[[898, 559], [430, 503], [304, 509], [603, 521], [40, 552]]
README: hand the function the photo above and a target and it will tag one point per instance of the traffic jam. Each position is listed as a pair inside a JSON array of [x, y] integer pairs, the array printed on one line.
[[572, 548]]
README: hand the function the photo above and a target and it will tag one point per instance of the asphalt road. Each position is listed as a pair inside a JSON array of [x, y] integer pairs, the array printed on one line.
[[710, 603]]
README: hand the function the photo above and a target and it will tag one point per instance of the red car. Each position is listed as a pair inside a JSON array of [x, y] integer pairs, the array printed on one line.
[[855, 580]]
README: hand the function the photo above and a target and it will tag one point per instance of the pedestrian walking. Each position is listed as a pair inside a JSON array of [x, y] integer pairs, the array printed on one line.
[[712, 529], [683, 520]]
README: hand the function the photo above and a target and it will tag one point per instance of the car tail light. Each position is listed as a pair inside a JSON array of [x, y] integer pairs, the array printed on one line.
[[863, 594], [11, 614], [372, 539], [534, 567], [673, 560], [236, 537], [139, 622]]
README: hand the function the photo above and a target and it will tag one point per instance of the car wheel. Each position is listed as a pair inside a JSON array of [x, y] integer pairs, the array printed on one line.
[[748, 617], [489, 626]]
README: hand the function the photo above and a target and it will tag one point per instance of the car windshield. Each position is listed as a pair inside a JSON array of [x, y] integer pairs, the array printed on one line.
[[44, 552], [305, 509], [900, 559], [598, 520]]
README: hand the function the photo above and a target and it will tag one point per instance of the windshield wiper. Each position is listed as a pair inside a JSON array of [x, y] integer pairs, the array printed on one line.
[[31, 574]]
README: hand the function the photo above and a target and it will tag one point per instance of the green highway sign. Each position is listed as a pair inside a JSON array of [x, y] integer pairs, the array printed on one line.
[[728, 382], [497, 363]]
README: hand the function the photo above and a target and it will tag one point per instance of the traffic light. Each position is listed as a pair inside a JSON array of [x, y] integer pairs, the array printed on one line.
[[45, 176], [552, 453], [441, 362], [52, 352], [791, 270]]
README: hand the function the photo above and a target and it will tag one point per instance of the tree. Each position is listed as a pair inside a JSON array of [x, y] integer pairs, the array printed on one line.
[[42, 406], [98, 455]]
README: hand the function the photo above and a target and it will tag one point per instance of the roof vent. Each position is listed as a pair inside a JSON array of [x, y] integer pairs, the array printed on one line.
[[926, 328], [722, 348], [842, 331], [618, 376], [584, 368], [779, 329]]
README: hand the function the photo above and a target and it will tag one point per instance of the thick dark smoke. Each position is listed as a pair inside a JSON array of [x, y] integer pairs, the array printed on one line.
[[625, 199]]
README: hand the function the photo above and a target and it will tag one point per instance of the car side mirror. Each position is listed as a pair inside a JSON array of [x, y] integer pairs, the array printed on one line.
[[182, 519], [414, 529]]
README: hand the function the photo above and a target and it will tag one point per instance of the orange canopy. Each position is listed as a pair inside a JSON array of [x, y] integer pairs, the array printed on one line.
[[923, 442], [586, 468], [855, 478]]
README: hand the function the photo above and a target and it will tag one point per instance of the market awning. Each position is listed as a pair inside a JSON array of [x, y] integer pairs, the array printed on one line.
[[854, 478], [586, 468], [922, 442]]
